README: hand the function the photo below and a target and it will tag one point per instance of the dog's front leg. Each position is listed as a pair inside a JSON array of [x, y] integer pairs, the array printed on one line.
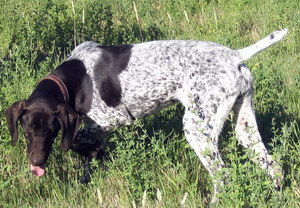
[[86, 177], [88, 144]]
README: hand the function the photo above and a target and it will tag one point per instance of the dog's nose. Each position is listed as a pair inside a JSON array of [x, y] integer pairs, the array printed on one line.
[[37, 161]]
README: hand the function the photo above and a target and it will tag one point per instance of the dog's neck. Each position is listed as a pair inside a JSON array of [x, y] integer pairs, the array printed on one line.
[[48, 91], [68, 79], [60, 84]]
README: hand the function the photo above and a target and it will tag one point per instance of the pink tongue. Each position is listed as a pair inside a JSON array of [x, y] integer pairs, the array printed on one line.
[[37, 170]]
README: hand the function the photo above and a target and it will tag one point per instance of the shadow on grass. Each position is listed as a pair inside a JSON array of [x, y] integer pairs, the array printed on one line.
[[271, 124]]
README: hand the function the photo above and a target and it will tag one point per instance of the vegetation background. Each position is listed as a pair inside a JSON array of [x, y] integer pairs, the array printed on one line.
[[150, 164]]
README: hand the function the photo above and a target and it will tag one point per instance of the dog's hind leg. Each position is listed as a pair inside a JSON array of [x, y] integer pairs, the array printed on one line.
[[203, 121], [248, 136]]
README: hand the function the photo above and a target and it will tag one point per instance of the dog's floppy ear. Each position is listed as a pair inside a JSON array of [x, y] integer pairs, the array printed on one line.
[[12, 115], [69, 122]]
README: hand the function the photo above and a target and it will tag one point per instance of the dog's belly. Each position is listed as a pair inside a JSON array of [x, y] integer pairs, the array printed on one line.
[[146, 100]]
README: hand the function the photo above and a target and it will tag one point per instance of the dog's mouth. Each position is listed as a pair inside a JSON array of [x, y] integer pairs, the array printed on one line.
[[38, 170]]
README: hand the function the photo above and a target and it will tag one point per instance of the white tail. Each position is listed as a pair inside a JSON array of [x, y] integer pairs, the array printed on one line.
[[248, 52]]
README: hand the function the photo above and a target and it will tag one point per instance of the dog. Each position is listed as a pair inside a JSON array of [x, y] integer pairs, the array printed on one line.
[[111, 86]]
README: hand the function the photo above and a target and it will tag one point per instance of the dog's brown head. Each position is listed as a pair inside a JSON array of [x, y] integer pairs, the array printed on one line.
[[41, 124]]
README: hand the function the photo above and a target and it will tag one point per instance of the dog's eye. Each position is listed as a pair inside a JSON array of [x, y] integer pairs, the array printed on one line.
[[29, 128], [26, 134]]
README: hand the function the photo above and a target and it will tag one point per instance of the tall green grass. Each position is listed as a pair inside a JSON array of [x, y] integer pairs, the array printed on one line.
[[150, 164]]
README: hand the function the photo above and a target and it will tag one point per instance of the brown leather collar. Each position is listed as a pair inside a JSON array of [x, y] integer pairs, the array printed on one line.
[[60, 84]]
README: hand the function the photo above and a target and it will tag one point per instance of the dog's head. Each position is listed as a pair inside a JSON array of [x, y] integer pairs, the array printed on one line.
[[41, 124]]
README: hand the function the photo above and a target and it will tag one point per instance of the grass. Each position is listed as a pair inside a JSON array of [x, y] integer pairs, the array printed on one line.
[[151, 164]]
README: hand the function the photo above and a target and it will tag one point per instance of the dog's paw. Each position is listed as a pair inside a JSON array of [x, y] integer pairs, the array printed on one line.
[[85, 179], [278, 179]]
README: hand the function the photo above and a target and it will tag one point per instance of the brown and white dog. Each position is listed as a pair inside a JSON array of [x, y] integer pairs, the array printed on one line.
[[113, 85]]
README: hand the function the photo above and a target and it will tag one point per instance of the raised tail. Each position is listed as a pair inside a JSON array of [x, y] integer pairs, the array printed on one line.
[[248, 52]]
